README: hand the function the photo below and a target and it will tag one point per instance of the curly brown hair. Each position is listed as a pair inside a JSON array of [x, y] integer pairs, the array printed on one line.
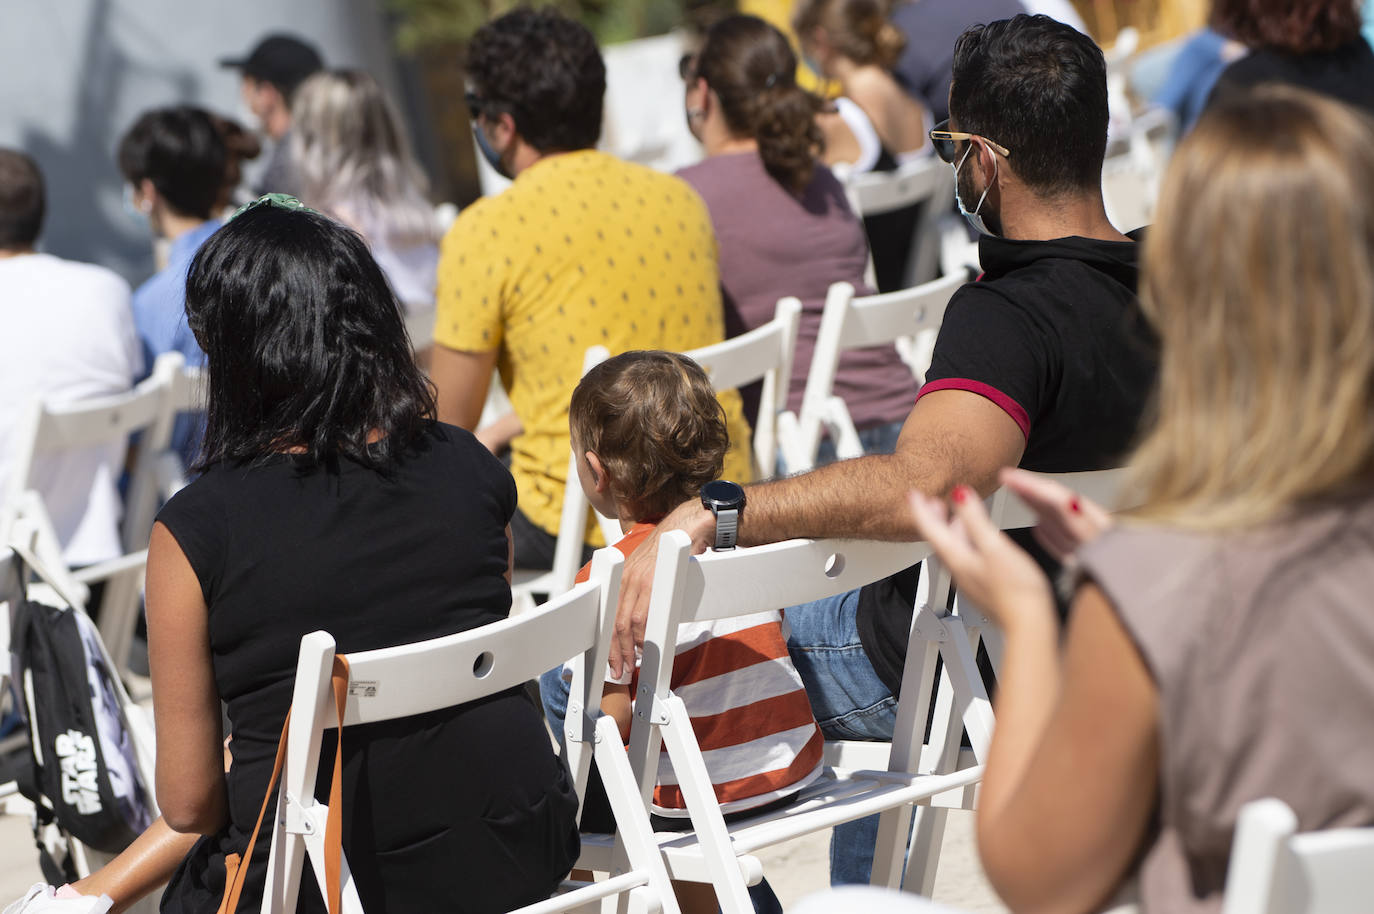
[[654, 420]]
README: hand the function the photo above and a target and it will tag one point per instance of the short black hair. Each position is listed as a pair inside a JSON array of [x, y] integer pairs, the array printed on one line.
[[182, 152], [22, 200], [305, 344], [546, 71], [1039, 88]]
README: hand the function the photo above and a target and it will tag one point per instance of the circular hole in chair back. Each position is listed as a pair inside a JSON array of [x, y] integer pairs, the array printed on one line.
[[483, 664], [834, 566]]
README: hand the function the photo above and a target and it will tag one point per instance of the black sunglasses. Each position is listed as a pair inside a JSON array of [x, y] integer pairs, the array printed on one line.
[[686, 65]]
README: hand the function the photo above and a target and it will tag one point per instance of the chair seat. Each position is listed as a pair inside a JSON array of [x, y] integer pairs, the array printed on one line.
[[839, 795]]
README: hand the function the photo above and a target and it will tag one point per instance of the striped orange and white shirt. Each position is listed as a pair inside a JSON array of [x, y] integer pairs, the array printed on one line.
[[748, 707]]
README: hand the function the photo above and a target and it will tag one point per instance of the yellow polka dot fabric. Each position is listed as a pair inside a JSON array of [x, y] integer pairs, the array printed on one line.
[[582, 250]]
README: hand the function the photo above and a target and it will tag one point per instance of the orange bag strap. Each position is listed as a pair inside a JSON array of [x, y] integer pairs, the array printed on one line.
[[333, 829]]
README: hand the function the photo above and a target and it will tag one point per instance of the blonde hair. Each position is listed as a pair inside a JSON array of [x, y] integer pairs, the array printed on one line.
[[858, 29], [351, 155], [1259, 276]]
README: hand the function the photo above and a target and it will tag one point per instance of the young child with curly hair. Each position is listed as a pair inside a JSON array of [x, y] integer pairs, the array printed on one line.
[[649, 432]]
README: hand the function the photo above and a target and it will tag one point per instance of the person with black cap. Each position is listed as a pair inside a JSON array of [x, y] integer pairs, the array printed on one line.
[[271, 72]]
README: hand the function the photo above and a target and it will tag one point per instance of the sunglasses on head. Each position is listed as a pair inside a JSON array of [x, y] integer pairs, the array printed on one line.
[[947, 142], [686, 65]]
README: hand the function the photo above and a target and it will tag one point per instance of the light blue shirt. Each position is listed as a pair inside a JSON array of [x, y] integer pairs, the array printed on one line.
[[160, 317]]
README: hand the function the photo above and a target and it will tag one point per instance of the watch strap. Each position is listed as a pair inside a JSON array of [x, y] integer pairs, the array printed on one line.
[[727, 527]]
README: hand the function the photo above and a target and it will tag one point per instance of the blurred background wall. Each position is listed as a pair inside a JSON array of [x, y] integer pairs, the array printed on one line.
[[75, 74]]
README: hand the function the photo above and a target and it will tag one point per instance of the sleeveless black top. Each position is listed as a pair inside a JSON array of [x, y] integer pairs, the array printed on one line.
[[461, 809]]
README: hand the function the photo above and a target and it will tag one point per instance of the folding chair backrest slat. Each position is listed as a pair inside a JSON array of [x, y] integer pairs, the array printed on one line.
[[1275, 870], [720, 585], [1106, 487], [763, 354], [924, 181], [874, 320], [413, 679]]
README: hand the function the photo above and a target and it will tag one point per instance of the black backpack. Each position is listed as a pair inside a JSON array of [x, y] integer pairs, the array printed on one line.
[[83, 772]]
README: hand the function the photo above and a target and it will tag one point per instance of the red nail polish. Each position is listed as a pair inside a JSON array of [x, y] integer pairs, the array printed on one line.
[[1074, 506], [959, 494]]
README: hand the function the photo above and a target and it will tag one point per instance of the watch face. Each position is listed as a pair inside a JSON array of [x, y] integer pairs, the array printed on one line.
[[721, 493]]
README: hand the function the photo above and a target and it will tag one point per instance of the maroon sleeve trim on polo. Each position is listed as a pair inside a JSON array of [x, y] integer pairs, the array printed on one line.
[[1009, 406]]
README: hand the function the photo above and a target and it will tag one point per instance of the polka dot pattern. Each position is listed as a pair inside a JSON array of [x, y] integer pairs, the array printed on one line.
[[582, 250]]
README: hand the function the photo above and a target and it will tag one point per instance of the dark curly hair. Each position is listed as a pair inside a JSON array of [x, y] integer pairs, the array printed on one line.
[[654, 420], [751, 68], [1290, 26], [546, 71], [305, 344], [1039, 88]]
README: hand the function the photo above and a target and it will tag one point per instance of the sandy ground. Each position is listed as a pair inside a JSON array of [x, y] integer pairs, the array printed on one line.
[[794, 870]]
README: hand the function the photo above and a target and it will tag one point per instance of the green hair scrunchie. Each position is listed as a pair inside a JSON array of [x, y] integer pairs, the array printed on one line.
[[282, 201]]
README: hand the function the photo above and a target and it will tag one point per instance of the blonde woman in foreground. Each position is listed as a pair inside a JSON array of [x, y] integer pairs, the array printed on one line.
[[1220, 648]]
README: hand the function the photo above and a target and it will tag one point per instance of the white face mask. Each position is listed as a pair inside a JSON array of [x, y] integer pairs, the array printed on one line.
[[138, 214], [974, 219]]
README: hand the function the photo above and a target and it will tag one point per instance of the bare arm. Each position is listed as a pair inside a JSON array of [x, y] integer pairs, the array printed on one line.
[[1073, 767], [495, 436], [186, 706], [951, 437], [461, 379], [141, 868]]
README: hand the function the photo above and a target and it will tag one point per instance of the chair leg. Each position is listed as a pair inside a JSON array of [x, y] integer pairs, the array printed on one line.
[[632, 821], [697, 790], [928, 832]]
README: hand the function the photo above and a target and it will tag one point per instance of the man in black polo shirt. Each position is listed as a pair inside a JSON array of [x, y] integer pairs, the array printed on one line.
[[1045, 363]]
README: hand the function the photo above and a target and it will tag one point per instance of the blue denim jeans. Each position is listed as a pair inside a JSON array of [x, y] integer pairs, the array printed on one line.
[[553, 692], [849, 701]]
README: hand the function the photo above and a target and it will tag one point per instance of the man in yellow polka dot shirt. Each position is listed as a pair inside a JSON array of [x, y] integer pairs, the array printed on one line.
[[582, 250]]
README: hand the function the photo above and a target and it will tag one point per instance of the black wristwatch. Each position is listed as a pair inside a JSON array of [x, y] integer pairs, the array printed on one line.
[[725, 500]]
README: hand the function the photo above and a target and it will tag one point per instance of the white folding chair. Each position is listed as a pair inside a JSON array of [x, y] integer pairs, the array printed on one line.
[[854, 323], [413, 679], [1275, 870], [763, 354], [572, 530], [929, 181], [720, 585], [161, 471], [52, 428], [961, 700]]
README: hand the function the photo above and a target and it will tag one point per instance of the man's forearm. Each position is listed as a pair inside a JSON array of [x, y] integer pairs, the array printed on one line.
[[863, 498]]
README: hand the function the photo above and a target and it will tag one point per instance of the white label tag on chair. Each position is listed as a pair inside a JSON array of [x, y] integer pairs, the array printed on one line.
[[362, 688]]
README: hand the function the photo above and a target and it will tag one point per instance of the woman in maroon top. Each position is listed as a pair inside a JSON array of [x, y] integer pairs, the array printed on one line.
[[781, 218]]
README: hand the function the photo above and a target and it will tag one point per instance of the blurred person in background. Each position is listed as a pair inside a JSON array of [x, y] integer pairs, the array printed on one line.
[[931, 27], [781, 218], [180, 165], [876, 126], [1312, 44], [69, 335], [271, 73], [582, 250], [350, 154]]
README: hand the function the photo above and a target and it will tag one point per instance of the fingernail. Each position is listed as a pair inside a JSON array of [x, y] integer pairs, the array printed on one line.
[[1074, 506], [960, 494]]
